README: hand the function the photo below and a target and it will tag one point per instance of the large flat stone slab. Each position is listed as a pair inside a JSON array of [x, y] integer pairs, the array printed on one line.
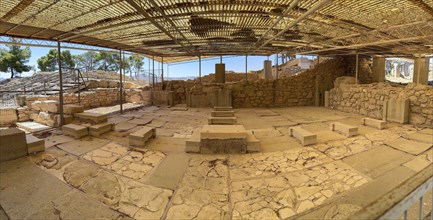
[[344, 129], [375, 123], [193, 143], [222, 113], [223, 132], [32, 126], [71, 109], [165, 176], [26, 188], [409, 146], [12, 144], [124, 126], [141, 120], [223, 108], [377, 161], [90, 117], [421, 137], [82, 146]]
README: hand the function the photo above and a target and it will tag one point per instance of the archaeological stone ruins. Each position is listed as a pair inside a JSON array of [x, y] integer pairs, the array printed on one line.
[[265, 109]]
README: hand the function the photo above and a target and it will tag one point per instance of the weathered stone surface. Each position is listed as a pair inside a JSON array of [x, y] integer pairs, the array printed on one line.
[[12, 144], [51, 106], [305, 137], [412, 147], [72, 109], [100, 129], [222, 121], [8, 116], [76, 131], [34, 144], [140, 137], [80, 172], [93, 118], [107, 154], [83, 145], [344, 129], [32, 126]]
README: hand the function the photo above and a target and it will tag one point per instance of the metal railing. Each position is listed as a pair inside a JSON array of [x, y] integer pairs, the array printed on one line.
[[396, 202]]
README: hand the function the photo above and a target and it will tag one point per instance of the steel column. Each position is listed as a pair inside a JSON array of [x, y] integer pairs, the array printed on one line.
[[276, 65], [199, 68], [356, 69], [59, 60], [121, 83], [246, 67], [162, 70]]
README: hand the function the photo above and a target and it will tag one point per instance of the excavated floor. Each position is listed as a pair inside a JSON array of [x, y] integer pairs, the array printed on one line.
[[105, 178]]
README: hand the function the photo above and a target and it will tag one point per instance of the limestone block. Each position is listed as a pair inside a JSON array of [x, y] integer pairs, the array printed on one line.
[[222, 113], [223, 108], [92, 118], [344, 129], [193, 143], [223, 132], [34, 144], [51, 106], [140, 137], [99, 129], [304, 136], [72, 109], [32, 126], [396, 110], [76, 131], [49, 119], [222, 120], [8, 116], [12, 144], [253, 144], [223, 146], [371, 122], [68, 119]]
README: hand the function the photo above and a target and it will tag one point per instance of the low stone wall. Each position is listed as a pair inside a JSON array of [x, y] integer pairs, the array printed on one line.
[[368, 99]]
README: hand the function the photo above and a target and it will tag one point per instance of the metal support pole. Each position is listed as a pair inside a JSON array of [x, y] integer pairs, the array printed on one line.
[[419, 69], [121, 83], [356, 69], [168, 71], [199, 68], [277, 67], [60, 83], [149, 72], [162, 70], [246, 67], [221, 59], [153, 72]]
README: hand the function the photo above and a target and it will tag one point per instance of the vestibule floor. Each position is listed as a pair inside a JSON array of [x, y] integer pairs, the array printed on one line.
[[105, 178]]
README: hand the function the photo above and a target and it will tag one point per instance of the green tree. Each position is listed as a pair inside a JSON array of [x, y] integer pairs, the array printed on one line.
[[86, 60], [135, 65], [107, 61], [14, 60], [50, 63]]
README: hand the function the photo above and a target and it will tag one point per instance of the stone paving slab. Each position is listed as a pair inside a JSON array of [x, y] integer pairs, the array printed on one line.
[[203, 192], [141, 120], [167, 144], [373, 163], [285, 195], [266, 133], [165, 132], [409, 146], [72, 205], [157, 123], [421, 137], [124, 126], [164, 176], [22, 194], [341, 149], [107, 154], [270, 164], [327, 136], [82, 146], [281, 143], [118, 119]]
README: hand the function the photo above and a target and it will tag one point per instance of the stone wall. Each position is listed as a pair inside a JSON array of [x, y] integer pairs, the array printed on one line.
[[297, 90], [368, 99]]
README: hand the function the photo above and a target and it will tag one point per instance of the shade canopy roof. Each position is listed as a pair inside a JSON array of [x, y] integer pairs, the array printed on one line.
[[185, 29]]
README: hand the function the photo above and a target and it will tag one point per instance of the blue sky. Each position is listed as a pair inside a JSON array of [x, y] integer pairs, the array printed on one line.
[[186, 69]]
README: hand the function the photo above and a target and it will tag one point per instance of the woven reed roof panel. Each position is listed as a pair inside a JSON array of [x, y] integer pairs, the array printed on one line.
[[184, 29]]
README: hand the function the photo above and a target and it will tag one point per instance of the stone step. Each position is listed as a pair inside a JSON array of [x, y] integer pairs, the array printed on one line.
[[253, 144], [344, 129], [223, 139], [223, 108], [222, 121], [100, 129], [140, 137], [222, 113], [76, 131], [12, 144], [375, 123], [193, 143], [34, 144], [92, 118], [304, 136]]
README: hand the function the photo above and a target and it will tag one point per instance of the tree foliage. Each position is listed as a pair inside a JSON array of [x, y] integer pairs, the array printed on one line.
[[134, 65], [107, 61], [49, 62], [14, 60], [86, 60]]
